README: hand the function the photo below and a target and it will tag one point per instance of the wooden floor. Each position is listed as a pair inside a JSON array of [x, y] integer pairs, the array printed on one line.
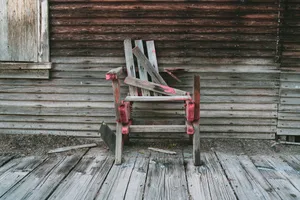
[[91, 174]]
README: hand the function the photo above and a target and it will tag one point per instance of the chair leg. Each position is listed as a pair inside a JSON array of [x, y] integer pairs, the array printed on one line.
[[119, 145], [196, 144]]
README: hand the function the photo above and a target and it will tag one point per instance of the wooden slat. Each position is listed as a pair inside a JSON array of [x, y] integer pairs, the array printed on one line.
[[142, 72], [157, 128], [24, 74], [162, 89], [148, 66], [157, 98], [130, 66]]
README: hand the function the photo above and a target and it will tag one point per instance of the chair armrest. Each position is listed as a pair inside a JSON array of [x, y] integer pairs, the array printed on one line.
[[114, 73]]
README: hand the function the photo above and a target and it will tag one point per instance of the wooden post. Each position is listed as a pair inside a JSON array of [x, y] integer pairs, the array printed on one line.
[[117, 101], [196, 139]]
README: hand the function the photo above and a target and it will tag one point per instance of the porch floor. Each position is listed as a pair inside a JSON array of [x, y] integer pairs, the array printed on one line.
[[91, 174]]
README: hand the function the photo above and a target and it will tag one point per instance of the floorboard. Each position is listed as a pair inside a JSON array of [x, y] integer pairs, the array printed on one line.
[[136, 186], [84, 181], [245, 181], [117, 180], [281, 176], [293, 161], [40, 183], [5, 159], [15, 170]]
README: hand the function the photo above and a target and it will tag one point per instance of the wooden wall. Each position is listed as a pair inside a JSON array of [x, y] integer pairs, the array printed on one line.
[[232, 45], [289, 108]]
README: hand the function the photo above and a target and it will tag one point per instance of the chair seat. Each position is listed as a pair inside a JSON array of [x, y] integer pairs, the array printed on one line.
[[158, 98]]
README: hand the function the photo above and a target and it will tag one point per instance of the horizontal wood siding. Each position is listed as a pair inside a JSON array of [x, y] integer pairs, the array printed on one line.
[[231, 44], [289, 108]]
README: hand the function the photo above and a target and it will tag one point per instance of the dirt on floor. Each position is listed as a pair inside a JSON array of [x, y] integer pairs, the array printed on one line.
[[23, 145]]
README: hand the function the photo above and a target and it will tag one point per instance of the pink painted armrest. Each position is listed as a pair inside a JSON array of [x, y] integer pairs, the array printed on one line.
[[114, 73]]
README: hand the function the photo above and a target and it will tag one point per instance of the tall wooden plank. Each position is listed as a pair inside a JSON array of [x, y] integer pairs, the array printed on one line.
[[16, 170], [4, 53], [152, 57], [43, 41], [196, 123], [84, 181], [22, 17], [119, 144], [142, 72], [130, 66], [40, 183]]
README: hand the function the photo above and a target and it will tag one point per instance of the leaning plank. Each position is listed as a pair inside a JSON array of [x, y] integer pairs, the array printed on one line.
[[162, 89], [136, 186], [117, 180], [148, 66], [282, 185], [108, 136], [245, 185], [5, 159], [16, 170], [157, 98], [142, 72], [40, 183], [130, 64], [84, 181], [62, 149], [152, 57], [162, 150], [209, 180]]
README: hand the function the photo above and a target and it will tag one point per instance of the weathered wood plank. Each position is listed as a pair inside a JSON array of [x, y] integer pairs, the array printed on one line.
[[209, 180], [116, 183], [157, 98], [16, 66], [24, 74], [40, 183], [5, 159], [142, 72], [281, 184], [136, 186], [245, 185], [16, 170], [44, 33], [85, 180], [162, 89], [130, 66], [155, 76], [157, 128]]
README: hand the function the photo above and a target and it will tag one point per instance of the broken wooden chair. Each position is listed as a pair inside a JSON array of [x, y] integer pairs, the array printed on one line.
[[160, 92]]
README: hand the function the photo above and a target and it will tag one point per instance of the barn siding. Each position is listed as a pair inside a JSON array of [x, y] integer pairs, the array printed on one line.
[[232, 45], [289, 108]]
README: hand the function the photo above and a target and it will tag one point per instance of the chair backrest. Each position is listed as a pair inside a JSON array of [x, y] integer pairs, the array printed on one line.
[[142, 74]]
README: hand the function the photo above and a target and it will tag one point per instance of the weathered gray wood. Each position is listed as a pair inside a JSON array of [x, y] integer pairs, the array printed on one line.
[[157, 98], [162, 150], [130, 64], [136, 185], [24, 74], [18, 65], [40, 183], [148, 66], [288, 131], [16, 170], [245, 185], [116, 71], [280, 183], [162, 89], [62, 149], [4, 53], [292, 160], [119, 144], [208, 181], [87, 177], [116, 183], [157, 128], [44, 34], [142, 72], [21, 30], [5, 159], [196, 122], [108, 136], [152, 54]]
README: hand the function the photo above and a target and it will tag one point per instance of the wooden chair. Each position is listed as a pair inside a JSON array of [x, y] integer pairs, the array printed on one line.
[[154, 90]]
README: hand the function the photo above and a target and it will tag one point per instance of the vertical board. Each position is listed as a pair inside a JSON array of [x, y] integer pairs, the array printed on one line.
[[20, 30]]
